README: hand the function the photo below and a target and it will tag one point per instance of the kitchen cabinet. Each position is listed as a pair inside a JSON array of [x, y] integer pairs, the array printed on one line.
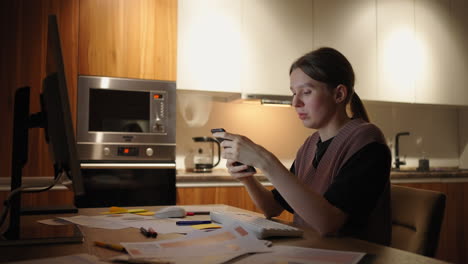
[[234, 196], [441, 29], [133, 39], [396, 48], [350, 27], [275, 33], [209, 45]]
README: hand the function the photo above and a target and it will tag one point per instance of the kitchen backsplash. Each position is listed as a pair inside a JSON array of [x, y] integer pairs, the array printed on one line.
[[438, 133]]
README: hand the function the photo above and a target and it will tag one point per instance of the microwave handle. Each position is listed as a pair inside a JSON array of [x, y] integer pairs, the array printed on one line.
[[128, 165]]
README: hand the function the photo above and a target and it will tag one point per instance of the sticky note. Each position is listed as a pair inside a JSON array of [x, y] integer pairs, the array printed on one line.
[[145, 213], [206, 226], [134, 211]]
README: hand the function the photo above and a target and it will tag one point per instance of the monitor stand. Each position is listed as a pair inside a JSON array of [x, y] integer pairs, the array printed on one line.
[[34, 233]]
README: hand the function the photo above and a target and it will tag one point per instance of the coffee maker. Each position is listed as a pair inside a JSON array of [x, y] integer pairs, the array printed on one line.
[[204, 156]]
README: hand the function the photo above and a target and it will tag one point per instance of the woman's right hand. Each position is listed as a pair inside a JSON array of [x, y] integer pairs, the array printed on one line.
[[237, 172]]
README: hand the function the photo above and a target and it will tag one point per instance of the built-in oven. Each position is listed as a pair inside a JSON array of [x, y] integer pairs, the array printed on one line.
[[126, 141]]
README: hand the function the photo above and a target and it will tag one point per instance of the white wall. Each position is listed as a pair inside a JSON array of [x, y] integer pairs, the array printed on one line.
[[434, 129]]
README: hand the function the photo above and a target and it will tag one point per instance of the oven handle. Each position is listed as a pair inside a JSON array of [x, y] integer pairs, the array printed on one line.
[[128, 165]]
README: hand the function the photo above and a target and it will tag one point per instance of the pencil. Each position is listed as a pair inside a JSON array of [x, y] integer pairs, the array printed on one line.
[[115, 247]]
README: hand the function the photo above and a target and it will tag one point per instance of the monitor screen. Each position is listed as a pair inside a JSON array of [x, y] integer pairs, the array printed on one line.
[[56, 110]]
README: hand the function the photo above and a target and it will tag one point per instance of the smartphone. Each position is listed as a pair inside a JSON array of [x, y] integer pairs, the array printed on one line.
[[214, 130], [250, 168]]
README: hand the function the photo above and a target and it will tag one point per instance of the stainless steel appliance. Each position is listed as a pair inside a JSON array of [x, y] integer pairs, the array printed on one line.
[[204, 154], [126, 140]]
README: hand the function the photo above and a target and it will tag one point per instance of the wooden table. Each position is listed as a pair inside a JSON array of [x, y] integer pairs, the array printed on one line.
[[376, 253]]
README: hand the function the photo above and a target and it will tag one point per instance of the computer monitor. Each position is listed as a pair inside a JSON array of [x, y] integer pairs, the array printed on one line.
[[55, 118]]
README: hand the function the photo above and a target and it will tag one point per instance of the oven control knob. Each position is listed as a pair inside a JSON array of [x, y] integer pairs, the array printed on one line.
[[106, 151], [149, 152]]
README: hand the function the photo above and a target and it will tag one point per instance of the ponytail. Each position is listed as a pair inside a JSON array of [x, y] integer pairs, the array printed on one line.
[[358, 109]]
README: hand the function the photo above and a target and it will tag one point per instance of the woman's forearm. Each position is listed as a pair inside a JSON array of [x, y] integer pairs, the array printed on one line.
[[310, 205], [262, 197]]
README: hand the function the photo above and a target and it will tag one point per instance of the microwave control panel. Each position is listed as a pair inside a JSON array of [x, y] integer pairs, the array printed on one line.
[[158, 122]]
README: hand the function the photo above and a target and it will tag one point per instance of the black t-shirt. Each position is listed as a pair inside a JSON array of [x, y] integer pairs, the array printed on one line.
[[358, 185]]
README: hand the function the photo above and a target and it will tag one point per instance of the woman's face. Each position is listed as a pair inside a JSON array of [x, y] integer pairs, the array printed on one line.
[[313, 100]]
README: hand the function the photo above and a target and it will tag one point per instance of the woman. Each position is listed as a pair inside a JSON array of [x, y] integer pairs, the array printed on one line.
[[339, 181]]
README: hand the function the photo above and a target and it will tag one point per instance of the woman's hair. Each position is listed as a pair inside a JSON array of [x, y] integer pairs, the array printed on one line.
[[329, 66]]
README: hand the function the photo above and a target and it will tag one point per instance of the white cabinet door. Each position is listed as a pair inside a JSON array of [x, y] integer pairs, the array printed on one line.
[[441, 29], [275, 33], [350, 27], [396, 50], [209, 45]]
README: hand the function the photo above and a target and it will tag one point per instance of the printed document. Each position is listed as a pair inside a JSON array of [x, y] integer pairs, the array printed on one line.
[[221, 244], [300, 255]]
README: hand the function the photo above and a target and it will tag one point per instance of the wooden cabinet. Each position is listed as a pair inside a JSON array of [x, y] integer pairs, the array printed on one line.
[[134, 39], [453, 243], [350, 27], [234, 196], [275, 33], [395, 50], [441, 29], [209, 45]]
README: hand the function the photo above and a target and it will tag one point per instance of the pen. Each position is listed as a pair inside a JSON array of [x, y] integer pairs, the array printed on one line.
[[109, 246], [144, 232], [192, 222], [198, 213], [153, 233]]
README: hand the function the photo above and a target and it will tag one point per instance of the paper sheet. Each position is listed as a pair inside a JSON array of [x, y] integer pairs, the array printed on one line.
[[72, 259], [227, 242], [300, 255], [120, 221]]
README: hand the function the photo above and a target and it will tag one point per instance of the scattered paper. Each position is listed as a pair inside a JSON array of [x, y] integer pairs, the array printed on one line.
[[120, 221], [227, 242], [93, 221], [72, 259], [54, 221], [300, 255]]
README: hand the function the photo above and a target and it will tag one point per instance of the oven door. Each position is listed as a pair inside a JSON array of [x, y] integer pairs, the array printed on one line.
[[128, 184]]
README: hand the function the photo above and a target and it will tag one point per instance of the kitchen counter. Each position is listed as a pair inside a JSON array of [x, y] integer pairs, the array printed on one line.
[[220, 177]]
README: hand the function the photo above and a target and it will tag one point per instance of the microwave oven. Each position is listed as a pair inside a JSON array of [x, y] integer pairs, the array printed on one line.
[[122, 119]]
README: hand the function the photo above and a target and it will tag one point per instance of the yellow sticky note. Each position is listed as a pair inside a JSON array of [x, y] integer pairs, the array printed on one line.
[[134, 211], [145, 213], [115, 210], [206, 226]]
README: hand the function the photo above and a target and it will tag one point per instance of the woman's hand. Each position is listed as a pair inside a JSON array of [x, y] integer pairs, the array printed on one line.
[[240, 148], [238, 172]]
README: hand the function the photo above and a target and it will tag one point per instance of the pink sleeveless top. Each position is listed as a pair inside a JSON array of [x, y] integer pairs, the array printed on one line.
[[350, 139]]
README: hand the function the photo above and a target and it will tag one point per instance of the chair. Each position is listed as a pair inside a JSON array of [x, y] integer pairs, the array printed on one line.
[[416, 219]]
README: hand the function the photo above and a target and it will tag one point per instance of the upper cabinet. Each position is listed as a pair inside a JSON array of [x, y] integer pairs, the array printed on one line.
[[274, 34], [441, 30], [396, 51], [350, 27], [209, 45], [135, 39]]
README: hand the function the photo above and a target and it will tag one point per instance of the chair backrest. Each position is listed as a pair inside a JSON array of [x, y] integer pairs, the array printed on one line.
[[416, 219]]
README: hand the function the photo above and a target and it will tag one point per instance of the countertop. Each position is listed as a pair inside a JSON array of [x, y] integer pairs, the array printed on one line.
[[220, 177]]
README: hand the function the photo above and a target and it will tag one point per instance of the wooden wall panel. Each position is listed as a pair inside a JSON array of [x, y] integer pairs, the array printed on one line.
[[136, 39], [23, 50]]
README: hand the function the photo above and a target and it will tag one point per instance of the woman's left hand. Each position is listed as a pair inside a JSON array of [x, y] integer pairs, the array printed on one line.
[[240, 148]]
